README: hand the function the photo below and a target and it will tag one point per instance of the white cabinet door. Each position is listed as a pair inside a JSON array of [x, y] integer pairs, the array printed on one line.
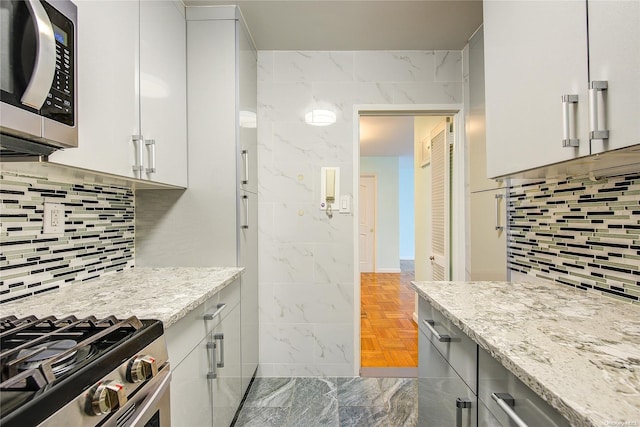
[[191, 392], [614, 56], [163, 87], [248, 105], [108, 110], [535, 52], [226, 387]]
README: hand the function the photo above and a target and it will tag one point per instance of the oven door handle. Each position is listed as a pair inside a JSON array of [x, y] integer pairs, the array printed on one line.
[[150, 401], [44, 68]]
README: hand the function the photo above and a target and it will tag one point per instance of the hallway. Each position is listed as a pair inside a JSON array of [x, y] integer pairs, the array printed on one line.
[[388, 334]]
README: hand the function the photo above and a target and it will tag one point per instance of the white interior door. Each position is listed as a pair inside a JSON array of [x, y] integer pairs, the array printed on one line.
[[440, 196], [367, 223]]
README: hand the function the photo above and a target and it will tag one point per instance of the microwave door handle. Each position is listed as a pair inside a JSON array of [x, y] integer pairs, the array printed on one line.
[[45, 64]]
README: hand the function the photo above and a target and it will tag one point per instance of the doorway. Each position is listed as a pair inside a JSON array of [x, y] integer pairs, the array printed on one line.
[[388, 332]]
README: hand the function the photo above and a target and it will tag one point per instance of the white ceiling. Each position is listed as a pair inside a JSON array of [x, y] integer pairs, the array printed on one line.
[[329, 25]]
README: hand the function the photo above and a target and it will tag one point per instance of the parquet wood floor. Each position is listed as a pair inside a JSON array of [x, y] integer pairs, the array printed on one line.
[[388, 334]]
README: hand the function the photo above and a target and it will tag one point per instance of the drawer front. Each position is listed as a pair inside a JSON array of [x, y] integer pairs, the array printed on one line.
[[460, 351], [443, 397], [187, 332], [495, 378]]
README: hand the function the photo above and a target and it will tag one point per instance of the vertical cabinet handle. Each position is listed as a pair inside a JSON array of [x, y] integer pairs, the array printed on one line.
[[461, 404], [442, 338], [569, 121], [498, 226], [137, 155], [44, 68], [151, 153], [595, 113], [220, 338], [245, 162], [213, 370], [245, 201], [506, 402]]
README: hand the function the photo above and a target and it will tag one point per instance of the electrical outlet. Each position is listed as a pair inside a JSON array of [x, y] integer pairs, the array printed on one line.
[[53, 218]]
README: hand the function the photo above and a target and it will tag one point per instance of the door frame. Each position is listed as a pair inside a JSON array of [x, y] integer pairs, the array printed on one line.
[[460, 199], [375, 218]]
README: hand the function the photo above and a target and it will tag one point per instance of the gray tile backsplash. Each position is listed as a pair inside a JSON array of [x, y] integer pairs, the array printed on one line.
[[98, 236], [578, 232]]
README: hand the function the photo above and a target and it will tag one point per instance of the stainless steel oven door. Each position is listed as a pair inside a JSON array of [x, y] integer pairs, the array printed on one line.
[[149, 407]]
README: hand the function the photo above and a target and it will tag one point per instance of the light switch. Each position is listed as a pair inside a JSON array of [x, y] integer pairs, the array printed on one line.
[[345, 204]]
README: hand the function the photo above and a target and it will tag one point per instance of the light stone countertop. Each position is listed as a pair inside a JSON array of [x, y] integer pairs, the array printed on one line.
[[166, 294], [577, 350]]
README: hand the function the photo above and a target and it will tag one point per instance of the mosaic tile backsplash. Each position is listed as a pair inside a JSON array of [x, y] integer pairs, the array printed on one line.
[[579, 233], [98, 234]]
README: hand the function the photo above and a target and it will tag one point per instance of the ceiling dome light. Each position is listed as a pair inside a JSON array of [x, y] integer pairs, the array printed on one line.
[[320, 117]]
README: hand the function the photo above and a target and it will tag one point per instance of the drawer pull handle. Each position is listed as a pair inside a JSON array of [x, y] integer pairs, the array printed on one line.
[[212, 316], [506, 402], [461, 404], [442, 338]]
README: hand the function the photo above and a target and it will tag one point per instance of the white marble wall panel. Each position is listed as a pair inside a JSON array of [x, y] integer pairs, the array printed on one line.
[[448, 66], [306, 259]]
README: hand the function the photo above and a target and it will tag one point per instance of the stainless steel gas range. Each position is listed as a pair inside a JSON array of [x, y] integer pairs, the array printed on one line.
[[83, 372]]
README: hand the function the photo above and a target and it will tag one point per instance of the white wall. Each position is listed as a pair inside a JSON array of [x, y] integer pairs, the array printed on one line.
[[307, 287], [405, 200], [387, 211]]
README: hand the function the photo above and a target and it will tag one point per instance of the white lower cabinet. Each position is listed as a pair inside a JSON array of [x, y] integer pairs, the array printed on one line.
[[204, 352], [461, 385], [508, 399]]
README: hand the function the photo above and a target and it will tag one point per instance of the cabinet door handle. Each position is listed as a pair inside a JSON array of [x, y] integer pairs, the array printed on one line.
[[213, 370], [151, 153], [213, 315], [245, 162], [498, 226], [596, 87], [245, 201], [461, 403], [569, 121], [137, 155], [442, 338], [44, 68], [220, 338], [506, 402]]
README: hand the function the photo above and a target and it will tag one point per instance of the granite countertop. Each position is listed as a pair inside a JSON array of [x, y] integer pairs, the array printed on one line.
[[166, 294], [579, 351]]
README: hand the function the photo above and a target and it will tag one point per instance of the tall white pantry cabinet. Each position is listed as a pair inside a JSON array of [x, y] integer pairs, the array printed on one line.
[[548, 64]]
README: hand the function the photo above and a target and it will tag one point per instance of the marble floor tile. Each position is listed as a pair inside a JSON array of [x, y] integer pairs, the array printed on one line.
[[332, 402]]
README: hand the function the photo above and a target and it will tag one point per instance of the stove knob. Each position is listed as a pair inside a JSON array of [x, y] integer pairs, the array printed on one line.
[[141, 368], [107, 397]]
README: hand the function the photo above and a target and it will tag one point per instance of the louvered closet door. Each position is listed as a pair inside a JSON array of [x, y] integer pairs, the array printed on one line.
[[440, 190]]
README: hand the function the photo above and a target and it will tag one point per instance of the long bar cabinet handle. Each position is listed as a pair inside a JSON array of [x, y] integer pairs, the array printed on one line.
[[138, 154], [461, 403], [216, 313], [498, 226], [220, 339], [245, 158], [506, 402], [442, 338], [245, 200], [569, 121], [213, 364], [596, 87], [151, 151]]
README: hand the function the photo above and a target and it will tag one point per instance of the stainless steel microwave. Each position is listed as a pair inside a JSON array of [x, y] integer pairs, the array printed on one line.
[[38, 77]]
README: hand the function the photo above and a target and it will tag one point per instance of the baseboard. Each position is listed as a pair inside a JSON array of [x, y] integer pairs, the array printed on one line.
[[389, 372], [388, 270]]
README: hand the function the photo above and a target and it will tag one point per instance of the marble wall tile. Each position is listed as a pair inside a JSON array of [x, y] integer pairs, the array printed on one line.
[[294, 233], [301, 66], [448, 66], [381, 66]]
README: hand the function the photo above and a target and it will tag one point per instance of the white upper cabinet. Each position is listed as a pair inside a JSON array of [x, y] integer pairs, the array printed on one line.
[[131, 82], [108, 97], [614, 56], [163, 90], [538, 79]]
